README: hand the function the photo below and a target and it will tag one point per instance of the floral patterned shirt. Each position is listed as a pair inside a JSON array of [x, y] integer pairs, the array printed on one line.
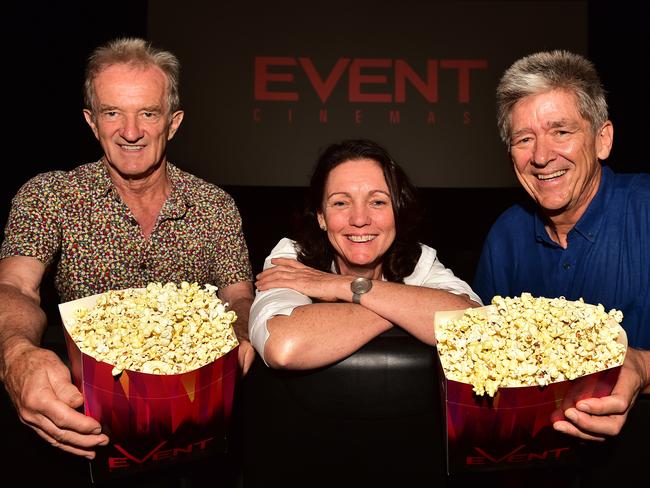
[[77, 222]]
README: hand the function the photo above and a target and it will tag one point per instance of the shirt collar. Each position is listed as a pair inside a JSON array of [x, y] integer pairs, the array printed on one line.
[[177, 203], [591, 221]]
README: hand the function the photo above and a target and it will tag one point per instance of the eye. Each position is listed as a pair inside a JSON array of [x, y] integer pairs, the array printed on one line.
[[521, 141], [379, 203], [149, 115]]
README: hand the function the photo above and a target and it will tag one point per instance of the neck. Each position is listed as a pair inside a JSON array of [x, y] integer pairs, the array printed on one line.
[[145, 195], [373, 272], [141, 187], [560, 223]]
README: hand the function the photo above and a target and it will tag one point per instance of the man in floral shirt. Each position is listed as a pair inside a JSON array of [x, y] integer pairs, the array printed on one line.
[[123, 221]]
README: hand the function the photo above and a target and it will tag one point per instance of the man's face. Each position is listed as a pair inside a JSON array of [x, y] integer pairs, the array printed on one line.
[[555, 152], [131, 119]]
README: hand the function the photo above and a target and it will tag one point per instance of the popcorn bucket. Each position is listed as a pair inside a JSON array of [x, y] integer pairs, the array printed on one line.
[[153, 421], [514, 428]]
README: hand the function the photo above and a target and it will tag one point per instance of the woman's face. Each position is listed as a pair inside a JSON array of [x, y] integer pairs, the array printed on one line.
[[357, 213]]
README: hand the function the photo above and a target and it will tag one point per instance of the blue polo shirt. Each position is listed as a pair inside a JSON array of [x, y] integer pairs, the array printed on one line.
[[607, 259]]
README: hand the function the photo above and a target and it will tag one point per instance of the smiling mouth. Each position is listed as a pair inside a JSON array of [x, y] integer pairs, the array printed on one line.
[[365, 238], [557, 174], [131, 148]]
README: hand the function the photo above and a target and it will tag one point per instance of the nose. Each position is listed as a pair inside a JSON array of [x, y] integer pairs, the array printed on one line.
[[131, 131], [542, 152], [359, 215]]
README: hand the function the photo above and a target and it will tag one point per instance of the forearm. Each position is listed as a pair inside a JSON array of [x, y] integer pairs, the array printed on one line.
[[320, 334], [242, 308], [413, 307], [239, 297], [22, 322], [642, 360]]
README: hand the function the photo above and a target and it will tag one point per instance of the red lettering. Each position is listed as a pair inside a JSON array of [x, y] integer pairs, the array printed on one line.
[[431, 118], [393, 117], [475, 460], [464, 66], [161, 455], [558, 452], [290, 115], [357, 79], [203, 443], [179, 450], [532, 456], [517, 458], [428, 89], [263, 77], [323, 116], [117, 463], [467, 117], [357, 116], [257, 115], [135, 459], [498, 460], [324, 88]]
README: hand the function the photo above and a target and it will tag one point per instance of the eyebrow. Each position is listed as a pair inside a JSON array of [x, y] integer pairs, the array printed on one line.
[[562, 123], [554, 124], [344, 193], [151, 108]]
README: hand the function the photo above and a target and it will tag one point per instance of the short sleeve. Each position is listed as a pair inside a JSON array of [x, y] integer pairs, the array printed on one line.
[[232, 264], [431, 273], [276, 301], [33, 228]]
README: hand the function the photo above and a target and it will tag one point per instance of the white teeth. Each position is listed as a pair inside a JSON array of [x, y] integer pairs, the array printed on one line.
[[552, 175], [361, 238], [132, 148]]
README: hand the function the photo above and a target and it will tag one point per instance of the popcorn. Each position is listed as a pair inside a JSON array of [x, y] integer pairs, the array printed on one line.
[[157, 330], [527, 341]]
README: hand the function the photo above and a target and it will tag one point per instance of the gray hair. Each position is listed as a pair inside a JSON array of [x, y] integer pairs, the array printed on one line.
[[545, 71], [135, 52]]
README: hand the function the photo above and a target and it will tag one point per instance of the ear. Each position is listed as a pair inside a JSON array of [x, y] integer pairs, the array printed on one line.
[[90, 120], [321, 220], [604, 140], [177, 118]]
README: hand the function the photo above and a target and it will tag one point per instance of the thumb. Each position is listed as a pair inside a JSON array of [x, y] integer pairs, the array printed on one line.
[[69, 394]]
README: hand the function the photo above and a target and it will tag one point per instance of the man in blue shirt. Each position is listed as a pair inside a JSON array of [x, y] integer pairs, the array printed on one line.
[[586, 232]]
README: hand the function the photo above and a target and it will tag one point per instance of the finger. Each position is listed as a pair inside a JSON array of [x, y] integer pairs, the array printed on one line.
[[271, 272], [570, 429], [69, 394], [292, 263], [608, 425], [608, 405], [76, 449], [50, 414], [278, 280]]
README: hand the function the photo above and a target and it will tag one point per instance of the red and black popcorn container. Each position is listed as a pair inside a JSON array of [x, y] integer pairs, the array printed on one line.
[[514, 428], [153, 420]]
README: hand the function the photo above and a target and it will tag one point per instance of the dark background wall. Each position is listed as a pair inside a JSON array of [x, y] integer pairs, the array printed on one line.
[[47, 44]]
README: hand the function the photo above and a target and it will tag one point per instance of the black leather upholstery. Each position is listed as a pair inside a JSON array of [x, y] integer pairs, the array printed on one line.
[[370, 420]]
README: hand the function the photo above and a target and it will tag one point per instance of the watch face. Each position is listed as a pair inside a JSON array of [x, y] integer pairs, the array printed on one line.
[[361, 285]]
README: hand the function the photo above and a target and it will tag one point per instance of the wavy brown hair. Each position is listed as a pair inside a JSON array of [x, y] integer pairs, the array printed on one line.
[[314, 247]]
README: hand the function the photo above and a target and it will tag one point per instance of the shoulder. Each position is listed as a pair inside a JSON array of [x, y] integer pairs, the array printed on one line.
[[427, 256], [199, 191], [515, 220], [285, 248], [56, 184], [633, 185], [427, 262]]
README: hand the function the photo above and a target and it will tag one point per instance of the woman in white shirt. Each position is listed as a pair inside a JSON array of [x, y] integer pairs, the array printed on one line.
[[356, 271]]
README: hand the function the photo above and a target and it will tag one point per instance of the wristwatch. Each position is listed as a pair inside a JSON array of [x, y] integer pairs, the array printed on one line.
[[359, 286]]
